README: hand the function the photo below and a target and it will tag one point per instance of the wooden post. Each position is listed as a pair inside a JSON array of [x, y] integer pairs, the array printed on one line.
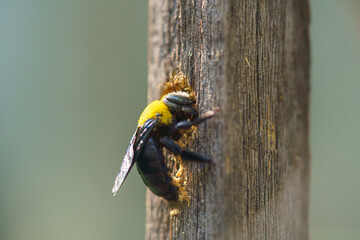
[[252, 59]]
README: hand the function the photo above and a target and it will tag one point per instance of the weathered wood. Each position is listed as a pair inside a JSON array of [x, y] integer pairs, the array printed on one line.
[[252, 59]]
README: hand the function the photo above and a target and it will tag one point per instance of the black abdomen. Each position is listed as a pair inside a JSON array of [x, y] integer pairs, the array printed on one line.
[[154, 172]]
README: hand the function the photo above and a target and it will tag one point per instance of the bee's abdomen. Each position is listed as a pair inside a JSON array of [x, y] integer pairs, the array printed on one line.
[[154, 172]]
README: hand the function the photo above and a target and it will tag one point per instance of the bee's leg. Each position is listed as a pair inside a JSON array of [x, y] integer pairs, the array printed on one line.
[[171, 145], [195, 156], [185, 154], [193, 112], [187, 124]]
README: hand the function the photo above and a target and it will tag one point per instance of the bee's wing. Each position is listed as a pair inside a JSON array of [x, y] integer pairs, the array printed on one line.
[[126, 165], [137, 142]]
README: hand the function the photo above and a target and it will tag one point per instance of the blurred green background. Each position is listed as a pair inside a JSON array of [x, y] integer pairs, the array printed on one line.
[[72, 85]]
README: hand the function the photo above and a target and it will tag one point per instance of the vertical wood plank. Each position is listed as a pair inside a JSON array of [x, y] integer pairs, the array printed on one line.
[[252, 59]]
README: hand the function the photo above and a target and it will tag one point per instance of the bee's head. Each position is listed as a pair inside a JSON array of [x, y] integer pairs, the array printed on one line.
[[177, 100]]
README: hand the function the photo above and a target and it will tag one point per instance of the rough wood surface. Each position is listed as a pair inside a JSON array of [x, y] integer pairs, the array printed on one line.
[[251, 58]]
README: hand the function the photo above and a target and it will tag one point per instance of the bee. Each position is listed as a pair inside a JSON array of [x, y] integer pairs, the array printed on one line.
[[160, 125]]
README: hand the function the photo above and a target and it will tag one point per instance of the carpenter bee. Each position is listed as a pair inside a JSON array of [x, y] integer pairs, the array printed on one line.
[[160, 125]]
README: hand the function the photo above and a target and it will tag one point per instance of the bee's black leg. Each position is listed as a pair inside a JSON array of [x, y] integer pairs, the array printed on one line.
[[185, 154], [195, 156], [193, 112], [187, 124], [171, 145]]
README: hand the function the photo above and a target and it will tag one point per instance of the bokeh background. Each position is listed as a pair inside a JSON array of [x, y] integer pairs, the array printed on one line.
[[72, 85]]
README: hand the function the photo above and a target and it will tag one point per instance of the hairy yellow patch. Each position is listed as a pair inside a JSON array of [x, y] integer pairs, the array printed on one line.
[[152, 110]]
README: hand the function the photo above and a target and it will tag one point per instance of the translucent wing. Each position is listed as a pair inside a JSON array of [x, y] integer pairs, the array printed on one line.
[[137, 142], [125, 166]]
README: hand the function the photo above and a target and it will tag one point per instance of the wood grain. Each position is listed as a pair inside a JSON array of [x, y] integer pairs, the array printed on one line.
[[252, 59]]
